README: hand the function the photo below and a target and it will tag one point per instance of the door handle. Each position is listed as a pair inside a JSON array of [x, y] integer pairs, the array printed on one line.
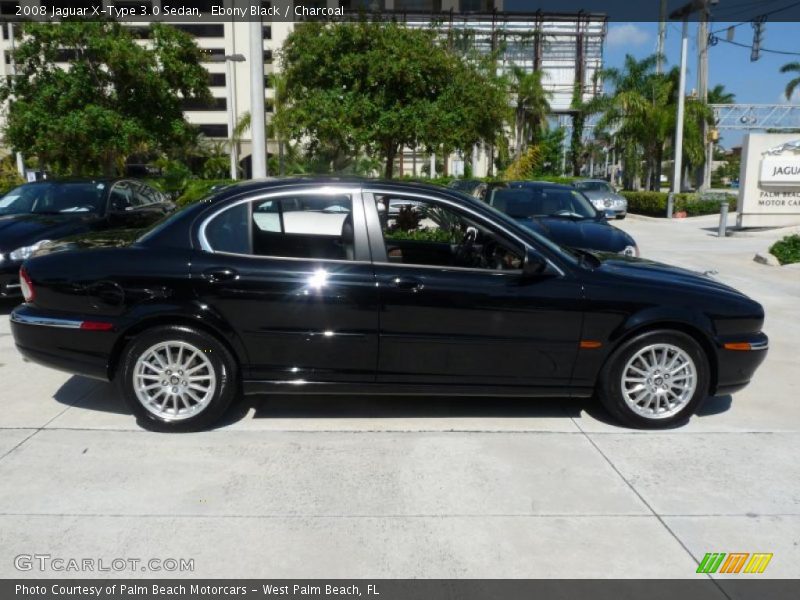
[[219, 275], [409, 284]]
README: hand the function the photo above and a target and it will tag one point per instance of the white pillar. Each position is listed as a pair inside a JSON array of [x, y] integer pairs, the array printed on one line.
[[231, 94], [258, 121], [433, 165], [678, 172]]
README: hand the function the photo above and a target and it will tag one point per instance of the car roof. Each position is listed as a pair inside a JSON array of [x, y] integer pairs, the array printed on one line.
[[540, 184], [79, 180], [246, 187]]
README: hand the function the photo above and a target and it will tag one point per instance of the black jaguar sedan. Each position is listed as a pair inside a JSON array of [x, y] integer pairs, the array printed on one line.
[[34, 214], [563, 214], [312, 286]]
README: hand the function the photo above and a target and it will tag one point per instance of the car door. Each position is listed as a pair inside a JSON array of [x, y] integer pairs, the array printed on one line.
[[290, 272], [448, 318]]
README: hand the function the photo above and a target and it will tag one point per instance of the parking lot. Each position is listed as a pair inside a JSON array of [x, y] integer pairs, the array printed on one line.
[[418, 487]]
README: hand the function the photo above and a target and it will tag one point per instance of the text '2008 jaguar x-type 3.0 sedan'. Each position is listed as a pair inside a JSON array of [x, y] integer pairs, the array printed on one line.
[[365, 287]]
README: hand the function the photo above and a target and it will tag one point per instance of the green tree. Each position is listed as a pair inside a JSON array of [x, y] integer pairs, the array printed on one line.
[[116, 98], [374, 88], [531, 107], [719, 95], [792, 67], [640, 113]]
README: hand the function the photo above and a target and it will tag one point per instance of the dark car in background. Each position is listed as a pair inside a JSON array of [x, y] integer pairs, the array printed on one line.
[[34, 214], [473, 187], [306, 286], [561, 213], [604, 197]]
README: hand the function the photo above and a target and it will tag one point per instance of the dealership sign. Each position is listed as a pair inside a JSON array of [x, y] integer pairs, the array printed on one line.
[[781, 165], [769, 191]]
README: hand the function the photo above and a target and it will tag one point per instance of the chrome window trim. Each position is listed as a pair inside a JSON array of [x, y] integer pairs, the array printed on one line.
[[456, 205], [324, 191], [46, 321]]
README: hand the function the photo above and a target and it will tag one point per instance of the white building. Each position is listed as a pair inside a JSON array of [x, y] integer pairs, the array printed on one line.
[[567, 47]]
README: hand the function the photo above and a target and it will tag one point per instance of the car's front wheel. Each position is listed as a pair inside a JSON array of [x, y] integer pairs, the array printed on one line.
[[655, 380], [177, 378]]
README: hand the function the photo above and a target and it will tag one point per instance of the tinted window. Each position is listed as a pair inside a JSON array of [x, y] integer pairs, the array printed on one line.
[[525, 202], [422, 232], [301, 226], [54, 198], [122, 197]]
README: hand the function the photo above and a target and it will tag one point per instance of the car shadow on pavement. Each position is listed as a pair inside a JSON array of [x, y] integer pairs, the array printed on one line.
[[85, 394], [405, 407], [89, 394], [714, 405], [7, 305]]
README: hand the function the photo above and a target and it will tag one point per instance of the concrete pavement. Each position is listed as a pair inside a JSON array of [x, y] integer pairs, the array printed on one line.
[[417, 487]]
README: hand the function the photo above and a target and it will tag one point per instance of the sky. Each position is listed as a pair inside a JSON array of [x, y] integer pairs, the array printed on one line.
[[753, 82]]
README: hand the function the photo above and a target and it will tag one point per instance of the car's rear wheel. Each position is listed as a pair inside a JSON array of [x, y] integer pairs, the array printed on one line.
[[655, 380], [177, 378]]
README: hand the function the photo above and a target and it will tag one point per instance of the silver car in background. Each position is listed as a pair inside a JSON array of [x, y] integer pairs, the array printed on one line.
[[603, 197]]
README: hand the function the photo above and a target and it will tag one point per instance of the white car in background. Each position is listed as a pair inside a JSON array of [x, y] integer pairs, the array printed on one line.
[[603, 197]]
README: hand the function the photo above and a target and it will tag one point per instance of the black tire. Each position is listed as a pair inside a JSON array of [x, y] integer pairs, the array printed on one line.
[[609, 387], [620, 217], [222, 363]]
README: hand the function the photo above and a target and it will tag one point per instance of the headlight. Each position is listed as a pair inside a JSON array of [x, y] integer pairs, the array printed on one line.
[[2, 258], [25, 252], [630, 251]]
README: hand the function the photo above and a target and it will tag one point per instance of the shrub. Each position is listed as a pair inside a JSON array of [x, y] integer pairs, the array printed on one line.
[[654, 204], [787, 250], [197, 189]]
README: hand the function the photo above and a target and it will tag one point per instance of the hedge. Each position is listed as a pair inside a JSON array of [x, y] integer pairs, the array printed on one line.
[[787, 250], [654, 204]]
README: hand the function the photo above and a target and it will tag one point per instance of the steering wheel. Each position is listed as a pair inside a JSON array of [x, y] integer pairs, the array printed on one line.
[[465, 247]]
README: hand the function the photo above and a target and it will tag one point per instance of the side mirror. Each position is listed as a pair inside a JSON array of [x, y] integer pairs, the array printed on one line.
[[534, 264]]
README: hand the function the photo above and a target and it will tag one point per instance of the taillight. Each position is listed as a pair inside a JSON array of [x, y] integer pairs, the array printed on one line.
[[26, 286]]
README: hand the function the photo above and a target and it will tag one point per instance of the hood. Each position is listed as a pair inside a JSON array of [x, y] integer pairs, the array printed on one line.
[[649, 271], [17, 231], [588, 234], [601, 195]]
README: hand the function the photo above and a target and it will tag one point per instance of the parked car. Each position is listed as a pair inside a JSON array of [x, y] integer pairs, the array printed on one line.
[[452, 298], [473, 187], [563, 214], [604, 197], [35, 214]]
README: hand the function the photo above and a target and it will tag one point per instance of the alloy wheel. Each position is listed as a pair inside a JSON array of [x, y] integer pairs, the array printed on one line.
[[659, 380], [174, 380]]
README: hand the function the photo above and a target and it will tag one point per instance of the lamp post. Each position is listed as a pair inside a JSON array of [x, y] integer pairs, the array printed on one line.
[[230, 92]]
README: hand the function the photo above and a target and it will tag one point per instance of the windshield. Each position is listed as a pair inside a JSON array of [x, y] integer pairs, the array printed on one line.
[[526, 202], [54, 198], [593, 186]]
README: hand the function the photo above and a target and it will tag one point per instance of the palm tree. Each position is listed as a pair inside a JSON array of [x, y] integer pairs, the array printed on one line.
[[719, 95], [792, 67], [531, 107], [640, 114]]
